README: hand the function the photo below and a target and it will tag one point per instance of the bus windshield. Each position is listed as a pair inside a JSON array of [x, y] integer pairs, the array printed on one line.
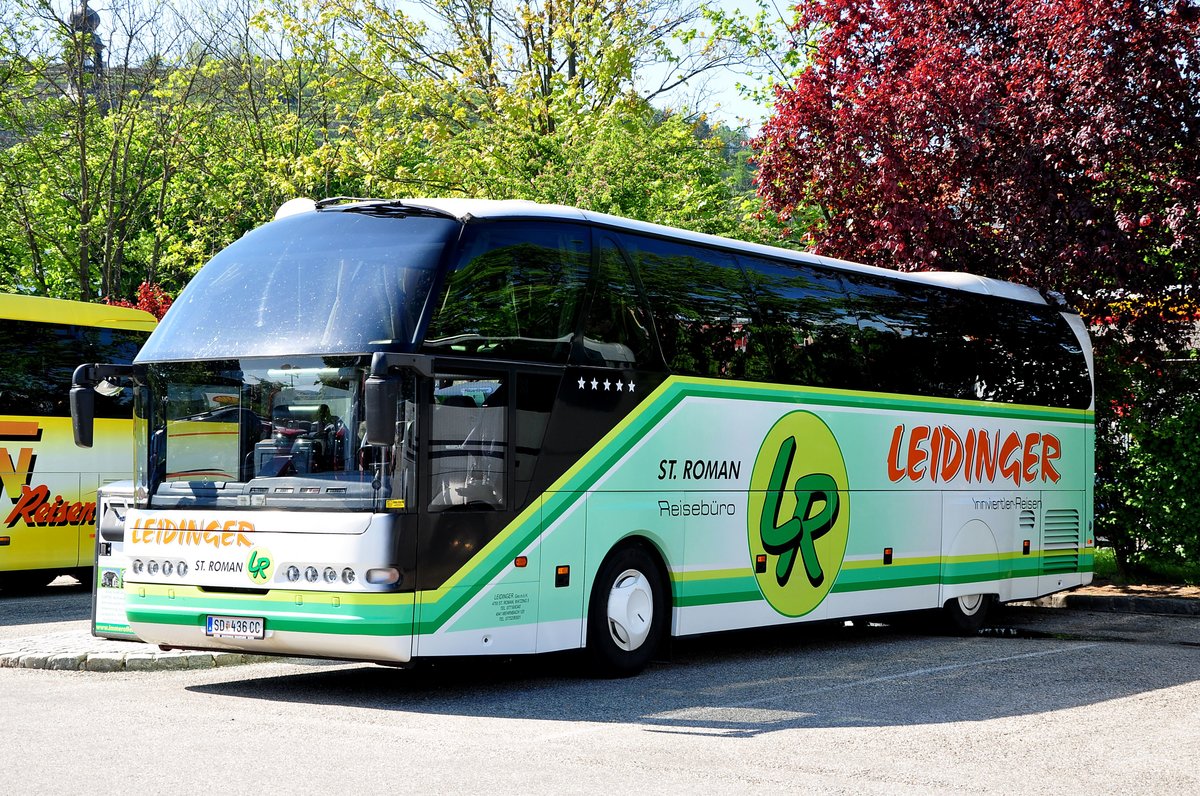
[[341, 282], [272, 432]]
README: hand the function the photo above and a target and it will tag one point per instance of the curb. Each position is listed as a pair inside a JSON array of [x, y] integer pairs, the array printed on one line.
[[61, 653], [1120, 604]]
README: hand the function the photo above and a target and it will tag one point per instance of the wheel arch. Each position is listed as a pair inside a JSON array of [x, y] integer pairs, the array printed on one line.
[[644, 540]]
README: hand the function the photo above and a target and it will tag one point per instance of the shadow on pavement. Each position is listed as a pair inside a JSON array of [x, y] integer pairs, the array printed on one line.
[[755, 682]]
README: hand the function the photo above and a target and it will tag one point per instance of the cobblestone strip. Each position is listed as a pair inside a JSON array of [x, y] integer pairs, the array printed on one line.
[[61, 652]]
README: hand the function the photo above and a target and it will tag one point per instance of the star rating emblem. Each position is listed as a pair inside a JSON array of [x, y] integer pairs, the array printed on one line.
[[609, 384]]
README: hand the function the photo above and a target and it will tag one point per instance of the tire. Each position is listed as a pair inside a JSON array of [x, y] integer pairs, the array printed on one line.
[[967, 614], [627, 613]]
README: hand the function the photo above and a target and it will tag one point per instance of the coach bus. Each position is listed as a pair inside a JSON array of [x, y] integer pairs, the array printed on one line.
[[47, 527], [392, 430]]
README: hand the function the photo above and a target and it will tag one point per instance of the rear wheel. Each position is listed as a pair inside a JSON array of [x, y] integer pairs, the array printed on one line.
[[626, 614], [966, 614]]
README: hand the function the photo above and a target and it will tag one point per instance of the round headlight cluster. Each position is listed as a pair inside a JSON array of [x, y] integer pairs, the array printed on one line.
[[311, 574], [154, 568]]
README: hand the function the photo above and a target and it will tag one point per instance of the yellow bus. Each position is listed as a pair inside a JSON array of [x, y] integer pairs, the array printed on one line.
[[47, 485]]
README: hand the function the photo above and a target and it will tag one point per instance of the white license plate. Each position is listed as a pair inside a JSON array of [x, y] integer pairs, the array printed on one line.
[[236, 627]]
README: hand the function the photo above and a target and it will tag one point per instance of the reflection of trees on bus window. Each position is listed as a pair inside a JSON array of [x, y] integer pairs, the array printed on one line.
[[514, 292], [928, 340], [698, 298], [618, 331], [803, 330], [38, 359]]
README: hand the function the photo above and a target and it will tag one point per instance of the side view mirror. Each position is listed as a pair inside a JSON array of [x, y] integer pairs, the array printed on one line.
[[83, 413], [85, 383], [381, 394]]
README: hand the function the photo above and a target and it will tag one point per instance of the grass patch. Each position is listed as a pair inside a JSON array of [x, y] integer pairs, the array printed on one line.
[[1146, 569], [1105, 563]]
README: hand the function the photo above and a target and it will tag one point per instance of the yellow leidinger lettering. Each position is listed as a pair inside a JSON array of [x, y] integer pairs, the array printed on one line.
[[192, 533]]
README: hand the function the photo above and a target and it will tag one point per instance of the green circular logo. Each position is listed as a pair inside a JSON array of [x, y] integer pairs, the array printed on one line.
[[260, 566], [799, 513]]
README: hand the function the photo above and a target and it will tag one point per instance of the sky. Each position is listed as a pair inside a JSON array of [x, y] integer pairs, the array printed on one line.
[[732, 107]]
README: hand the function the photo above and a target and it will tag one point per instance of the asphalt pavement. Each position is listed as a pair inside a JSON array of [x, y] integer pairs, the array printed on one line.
[[74, 648]]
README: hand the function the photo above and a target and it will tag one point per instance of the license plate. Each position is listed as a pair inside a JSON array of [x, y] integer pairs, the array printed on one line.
[[235, 627]]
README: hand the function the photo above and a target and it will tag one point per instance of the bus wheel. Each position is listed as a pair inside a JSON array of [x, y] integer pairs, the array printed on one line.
[[966, 614], [626, 614]]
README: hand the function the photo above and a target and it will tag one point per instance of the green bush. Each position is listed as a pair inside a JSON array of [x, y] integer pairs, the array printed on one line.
[[1148, 468]]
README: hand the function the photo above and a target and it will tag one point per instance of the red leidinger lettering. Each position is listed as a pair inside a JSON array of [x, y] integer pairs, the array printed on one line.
[[939, 453]]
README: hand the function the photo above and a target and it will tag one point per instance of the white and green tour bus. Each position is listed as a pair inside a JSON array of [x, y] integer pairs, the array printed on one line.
[[392, 430]]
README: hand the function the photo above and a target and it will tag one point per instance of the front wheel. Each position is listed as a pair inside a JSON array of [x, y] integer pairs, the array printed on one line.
[[627, 613], [966, 614]]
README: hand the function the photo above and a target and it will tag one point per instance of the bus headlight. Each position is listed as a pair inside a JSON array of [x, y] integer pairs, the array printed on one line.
[[181, 569], [347, 576], [152, 567], [167, 569], [138, 566], [331, 575], [385, 576], [293, 573], [310, 574]]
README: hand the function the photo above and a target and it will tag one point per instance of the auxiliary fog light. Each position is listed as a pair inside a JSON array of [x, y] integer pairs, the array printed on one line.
[[152, 567], [347, 575], [138, 566], [385, 576], [330, 575], [293, 573], [310, 574]]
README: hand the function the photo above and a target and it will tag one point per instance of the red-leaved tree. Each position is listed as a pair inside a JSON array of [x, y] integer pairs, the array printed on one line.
[[150, 297], [1050, 142]]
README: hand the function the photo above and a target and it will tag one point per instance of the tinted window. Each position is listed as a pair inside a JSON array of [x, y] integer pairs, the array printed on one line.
[[331, 282], [618, 332], [1024, 353], [513, 293], [38, 359], [924, 340], [910, 337], [803, 331], [700, 305]]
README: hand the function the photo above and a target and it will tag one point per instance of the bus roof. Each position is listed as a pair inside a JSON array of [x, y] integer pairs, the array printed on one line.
[[40, 309], [466, 210]]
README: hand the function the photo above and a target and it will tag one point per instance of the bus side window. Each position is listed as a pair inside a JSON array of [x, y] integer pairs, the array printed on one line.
[[803, 329], [468, 443], [617, 333], [514, 292], [699, 302]]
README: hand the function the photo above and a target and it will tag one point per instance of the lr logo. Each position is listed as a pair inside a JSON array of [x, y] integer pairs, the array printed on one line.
[[799, 513], [259, 566]]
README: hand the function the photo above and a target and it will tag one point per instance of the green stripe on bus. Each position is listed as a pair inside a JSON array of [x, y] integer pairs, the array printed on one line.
[[376, 615], [437, 607]]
